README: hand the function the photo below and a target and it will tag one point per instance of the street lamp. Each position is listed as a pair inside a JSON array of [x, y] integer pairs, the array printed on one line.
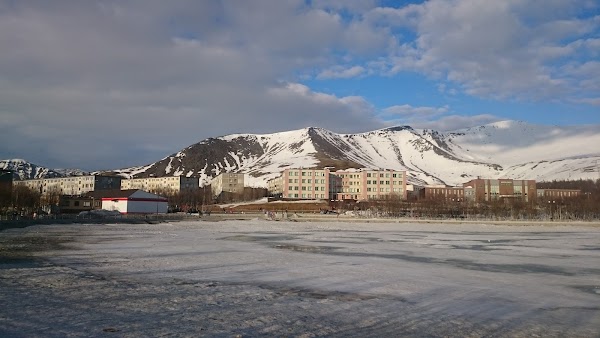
[[551, 214]]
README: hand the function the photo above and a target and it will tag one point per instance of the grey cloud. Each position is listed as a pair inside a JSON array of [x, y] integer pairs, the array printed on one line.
[[456, 122], [106, 84]]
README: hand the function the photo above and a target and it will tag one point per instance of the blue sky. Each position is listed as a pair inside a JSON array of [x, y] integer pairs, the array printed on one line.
[[107, 84]]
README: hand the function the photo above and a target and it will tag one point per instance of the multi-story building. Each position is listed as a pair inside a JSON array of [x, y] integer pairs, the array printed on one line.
[[301, 183], [74, 185], [443, 192], [356, 184], [483, 190], [166, 185], [227, 182], [366, 184]]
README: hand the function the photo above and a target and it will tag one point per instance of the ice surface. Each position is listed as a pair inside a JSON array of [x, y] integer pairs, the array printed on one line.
[[266, 278]]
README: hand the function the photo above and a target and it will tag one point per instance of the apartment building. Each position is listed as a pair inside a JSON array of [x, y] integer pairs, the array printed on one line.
[[301, 184], [167, 184], [365, 184], [227, 182], [483, 190], [75, 185]]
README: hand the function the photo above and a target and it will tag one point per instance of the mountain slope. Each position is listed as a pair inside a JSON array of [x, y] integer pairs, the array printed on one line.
[[510, 149], [24, 170], [504, 149]]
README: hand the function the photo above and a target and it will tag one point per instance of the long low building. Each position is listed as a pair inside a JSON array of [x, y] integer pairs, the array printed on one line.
[[132, 201], [73, 185], [166, 184]]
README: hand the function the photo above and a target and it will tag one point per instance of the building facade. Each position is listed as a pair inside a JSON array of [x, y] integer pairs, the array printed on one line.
[[227, 182], [74, 185], [167, 184], [303, 184], [557, 194], [485, 190], [369, 184], [454, 194], [134, 201]]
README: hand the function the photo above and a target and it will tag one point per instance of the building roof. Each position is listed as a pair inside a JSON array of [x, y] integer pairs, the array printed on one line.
[[112, 193]]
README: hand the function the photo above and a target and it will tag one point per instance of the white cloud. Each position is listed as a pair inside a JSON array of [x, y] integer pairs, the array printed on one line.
[[496, 49]]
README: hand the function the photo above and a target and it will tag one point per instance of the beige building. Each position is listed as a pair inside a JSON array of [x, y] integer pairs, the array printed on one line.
[[301, 184], [227, 182], [167, 184], [368, 184], [75, 185], [361, 184]]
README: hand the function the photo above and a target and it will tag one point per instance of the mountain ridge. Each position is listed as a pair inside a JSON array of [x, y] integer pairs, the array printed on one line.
[[502, 149]]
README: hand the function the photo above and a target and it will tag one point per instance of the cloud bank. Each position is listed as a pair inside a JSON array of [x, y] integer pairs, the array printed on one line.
[[105, 84]]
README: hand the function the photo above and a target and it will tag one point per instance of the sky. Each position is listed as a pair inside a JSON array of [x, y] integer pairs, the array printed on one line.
[[107, 84]]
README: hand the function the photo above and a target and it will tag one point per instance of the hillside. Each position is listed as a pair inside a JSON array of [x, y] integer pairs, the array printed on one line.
[[503, 149], [510, 149]]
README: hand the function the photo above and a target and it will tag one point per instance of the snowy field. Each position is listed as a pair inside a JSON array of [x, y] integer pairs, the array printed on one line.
[[300, 279]]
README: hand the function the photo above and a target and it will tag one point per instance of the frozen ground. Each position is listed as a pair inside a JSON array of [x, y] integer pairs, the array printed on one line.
[[301, 279]]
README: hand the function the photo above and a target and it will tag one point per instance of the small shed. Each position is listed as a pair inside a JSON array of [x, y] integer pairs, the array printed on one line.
[[134, 201]]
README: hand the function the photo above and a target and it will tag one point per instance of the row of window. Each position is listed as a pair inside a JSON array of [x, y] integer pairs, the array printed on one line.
[[305, 180], [307, 173], [306, 196], [307, 188]]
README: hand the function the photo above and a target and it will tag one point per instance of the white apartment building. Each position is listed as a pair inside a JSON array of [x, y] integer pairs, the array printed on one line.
[[167, 184], [227, 182], [75, 185]]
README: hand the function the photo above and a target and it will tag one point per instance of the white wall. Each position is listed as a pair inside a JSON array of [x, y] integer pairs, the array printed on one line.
[[147, 207]]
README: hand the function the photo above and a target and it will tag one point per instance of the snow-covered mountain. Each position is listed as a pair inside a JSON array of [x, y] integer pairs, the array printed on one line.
[[24, 170], [509, 149]]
